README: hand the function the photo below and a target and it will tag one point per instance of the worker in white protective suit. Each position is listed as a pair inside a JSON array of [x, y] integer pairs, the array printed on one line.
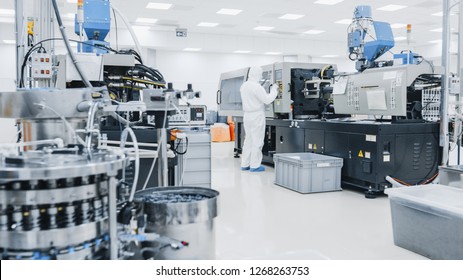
[[254, 99]]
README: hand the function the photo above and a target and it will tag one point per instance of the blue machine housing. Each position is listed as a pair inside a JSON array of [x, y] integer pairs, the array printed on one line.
[[383, 43], [97, 23], [411, 57], [353, 40]]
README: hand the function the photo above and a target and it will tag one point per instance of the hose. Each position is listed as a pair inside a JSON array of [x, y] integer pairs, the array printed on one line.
[[129, 27], [122, 120], [394, 183], [90, 124], [124, 135], [68, 46]]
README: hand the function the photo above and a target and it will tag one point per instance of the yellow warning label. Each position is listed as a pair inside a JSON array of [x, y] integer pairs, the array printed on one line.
[[360, 153], [314, 146]]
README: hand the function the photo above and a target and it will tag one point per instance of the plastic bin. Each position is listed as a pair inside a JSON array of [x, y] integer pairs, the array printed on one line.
[[308, 172], [451, 176], [428, 220]]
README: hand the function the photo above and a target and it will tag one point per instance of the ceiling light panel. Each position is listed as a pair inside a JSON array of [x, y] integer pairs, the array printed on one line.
[[208, 24], [314, 31], [328, 2], [439, 14], [291, 16], [7, 12], [192, 49], [229, 12], [273, 53], [401, 38], [242, 51], [436, 30], [146, 20], [264, 28], [392, 8], [9, 41], [159, 6], [330, 55], [398, 25], [346, 21]]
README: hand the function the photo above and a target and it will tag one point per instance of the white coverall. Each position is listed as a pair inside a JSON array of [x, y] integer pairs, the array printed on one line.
[[254, 98]]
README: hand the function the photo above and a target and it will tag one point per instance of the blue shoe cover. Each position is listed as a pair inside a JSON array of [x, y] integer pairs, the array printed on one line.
[[258, 169], [245, 168]]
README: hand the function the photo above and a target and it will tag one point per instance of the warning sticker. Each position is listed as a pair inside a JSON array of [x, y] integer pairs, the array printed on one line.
[[314, 146], [361, 154]]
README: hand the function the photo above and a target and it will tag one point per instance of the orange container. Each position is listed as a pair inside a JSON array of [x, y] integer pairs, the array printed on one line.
[[220, 133], [232, 130]]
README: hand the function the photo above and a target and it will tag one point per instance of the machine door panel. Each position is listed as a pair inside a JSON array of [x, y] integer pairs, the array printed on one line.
[[314, 141], [229, 96], [417, 157], [362, 166], [289, 140]]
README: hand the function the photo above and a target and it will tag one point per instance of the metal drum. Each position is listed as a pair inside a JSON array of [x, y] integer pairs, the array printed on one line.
[[54, 204], [180, 213]]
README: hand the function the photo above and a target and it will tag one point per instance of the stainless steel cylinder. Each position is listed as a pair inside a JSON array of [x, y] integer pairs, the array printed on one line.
[[53, 204], [34, 130], [180, 214], [42, 111]]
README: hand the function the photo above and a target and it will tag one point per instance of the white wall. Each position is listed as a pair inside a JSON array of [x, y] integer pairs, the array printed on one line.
[[203, 70]]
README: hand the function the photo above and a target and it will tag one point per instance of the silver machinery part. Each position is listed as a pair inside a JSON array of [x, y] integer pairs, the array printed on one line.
[[54, 204], [41, 112], [379, 91], [191, 220]]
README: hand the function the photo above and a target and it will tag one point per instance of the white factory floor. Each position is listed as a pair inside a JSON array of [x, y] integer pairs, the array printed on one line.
[[260, 220]]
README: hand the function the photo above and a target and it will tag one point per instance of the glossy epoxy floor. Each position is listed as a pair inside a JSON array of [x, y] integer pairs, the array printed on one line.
[[260, 220]]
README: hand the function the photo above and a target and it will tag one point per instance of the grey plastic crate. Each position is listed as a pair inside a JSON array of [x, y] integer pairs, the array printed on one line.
[[308, 172], [428, 220], [451, 176]]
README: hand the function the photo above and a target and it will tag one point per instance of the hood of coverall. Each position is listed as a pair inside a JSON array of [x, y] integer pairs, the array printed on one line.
[[255, 74]]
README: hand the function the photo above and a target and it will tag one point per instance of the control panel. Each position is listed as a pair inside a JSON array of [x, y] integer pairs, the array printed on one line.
[[42, 66], [189, 115]]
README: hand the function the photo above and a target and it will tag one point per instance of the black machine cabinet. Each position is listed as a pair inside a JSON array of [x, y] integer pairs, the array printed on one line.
[[144, 135], [289, 140], [371, 150]]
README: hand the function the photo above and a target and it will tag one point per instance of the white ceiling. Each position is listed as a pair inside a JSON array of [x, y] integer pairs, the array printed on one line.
[[189, 13]]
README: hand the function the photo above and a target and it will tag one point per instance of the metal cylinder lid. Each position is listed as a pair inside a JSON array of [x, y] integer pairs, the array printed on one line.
[[178, 205], [52, 164]]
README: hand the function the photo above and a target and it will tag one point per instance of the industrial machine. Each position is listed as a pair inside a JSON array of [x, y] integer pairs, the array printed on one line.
[[304, 90], [399, 137]]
